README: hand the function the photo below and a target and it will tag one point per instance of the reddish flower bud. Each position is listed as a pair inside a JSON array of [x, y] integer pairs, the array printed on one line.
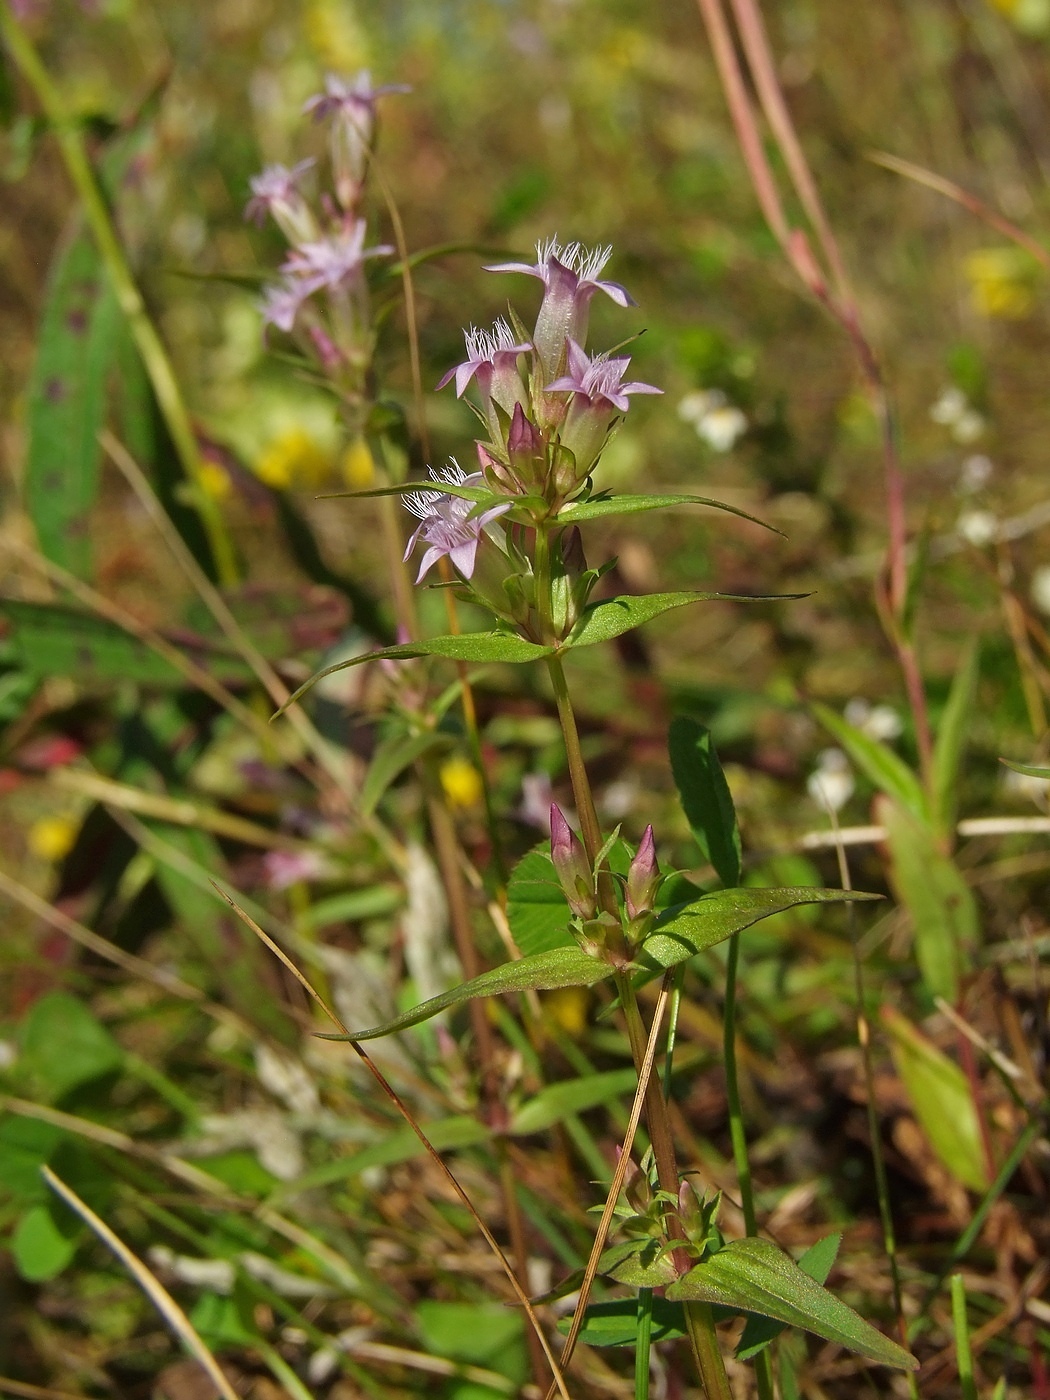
[[643, 878], [573, 868]]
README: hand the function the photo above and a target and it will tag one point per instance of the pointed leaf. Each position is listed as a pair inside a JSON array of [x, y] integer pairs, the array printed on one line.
[[601, 622], [930, 886], [475, 647], [942, 1100], [689, 928], [561, 967], [760, 1331], [951, 738], [888, 772], [536, 909], [604, 506], [557, 1101], [755, 1276], [1027, 769], [705, 796]]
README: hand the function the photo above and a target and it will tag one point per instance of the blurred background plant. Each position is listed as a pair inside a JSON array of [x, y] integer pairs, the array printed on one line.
[[160, 1060]]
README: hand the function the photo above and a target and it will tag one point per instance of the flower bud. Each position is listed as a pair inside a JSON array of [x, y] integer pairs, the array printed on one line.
[[572, 866], [643, 878], [525, 447]]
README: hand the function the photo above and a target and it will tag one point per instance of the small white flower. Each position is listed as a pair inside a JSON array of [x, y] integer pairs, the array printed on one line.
[[975, 474], [977, 527], [968, 427], [950, 406], [1040, 588], [716, 421], [8, 1054], [876, 721], [831, 783], [216, 1275]]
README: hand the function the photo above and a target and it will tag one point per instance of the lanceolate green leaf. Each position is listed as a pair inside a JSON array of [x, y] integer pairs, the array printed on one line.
[[876, 760], [557, 1101], [930, 886], [705, 796], [755, 1276], [941, 1097], [472, 647], [951, 738], [1027, 769], [561, 967], [66, 405], [689, 928], [601, 622], [639, 1264], [392, 757], [760, 1331], [599, 509]]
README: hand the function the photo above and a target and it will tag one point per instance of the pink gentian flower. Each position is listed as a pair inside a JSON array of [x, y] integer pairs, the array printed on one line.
[[492, 360], [351, 103], [598, 394], [446, 525], [570, 277], [275, 192], [332, 261]]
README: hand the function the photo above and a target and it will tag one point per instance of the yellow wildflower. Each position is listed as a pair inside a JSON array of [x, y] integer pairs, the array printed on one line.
[[461, 782], [51, 838], [1030, 16], [214, 481], [567, 1008], [1000, 282], [293, 459], [359, 470]]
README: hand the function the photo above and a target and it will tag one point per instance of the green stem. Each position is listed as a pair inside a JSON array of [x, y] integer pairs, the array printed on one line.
[[763, 1361], [154, 356], [962, 1338], [700, 1323], [642, 1345]]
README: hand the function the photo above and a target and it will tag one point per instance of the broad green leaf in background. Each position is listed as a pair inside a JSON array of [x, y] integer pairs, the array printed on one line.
[[41, 1248], [760, 1331], [391, 758], [543, 972], [615, 1324], [755, 1276], [66, 407], [477, 1334], [705, 796], [557, 1101], [370, 903], [64, 1046], [26, 1144], [889, 773], [951, 739], [928, 883], [687, 929], [536, 908], [941, 1098], [51, 639]]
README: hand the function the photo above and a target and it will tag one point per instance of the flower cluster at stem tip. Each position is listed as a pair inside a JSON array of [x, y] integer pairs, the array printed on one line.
[[547, 408], [322, 296]]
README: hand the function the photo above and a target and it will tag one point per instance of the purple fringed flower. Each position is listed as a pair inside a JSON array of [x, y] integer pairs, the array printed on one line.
[[350, 102], [598, 394], [599, 378], [492, 359], [570, 277], [281, 304], [332, 261], [275, 192], [446, 525], [350, 97]]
